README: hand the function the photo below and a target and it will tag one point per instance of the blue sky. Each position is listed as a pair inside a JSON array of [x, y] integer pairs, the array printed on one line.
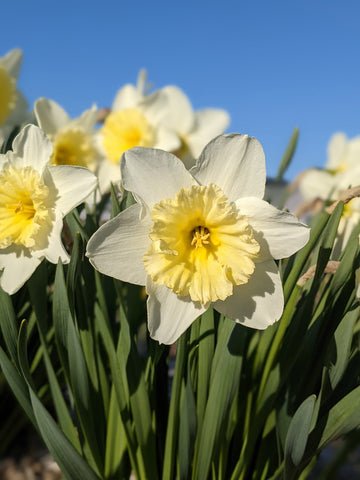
[[272, 65]]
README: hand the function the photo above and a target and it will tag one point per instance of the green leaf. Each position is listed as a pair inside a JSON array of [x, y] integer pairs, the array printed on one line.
[[205, 356], [115, 206], [340, 353], [17, 385], [118, 373], [37, 289], [72, 465], [297, 436], [342, 418], [116, 458], [187, 430], [289, 152], [8, 325], [78, 377], [223, 389]]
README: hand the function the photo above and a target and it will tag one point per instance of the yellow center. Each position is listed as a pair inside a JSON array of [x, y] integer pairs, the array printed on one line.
[[200, 245], [25, 208], [73, 146], [8, 95], [126, 129]]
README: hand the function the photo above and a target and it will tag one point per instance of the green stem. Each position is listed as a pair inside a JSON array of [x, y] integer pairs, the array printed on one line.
[[173, 421]]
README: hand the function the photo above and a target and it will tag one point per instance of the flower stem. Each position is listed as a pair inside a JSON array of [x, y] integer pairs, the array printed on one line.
[[173, 421]]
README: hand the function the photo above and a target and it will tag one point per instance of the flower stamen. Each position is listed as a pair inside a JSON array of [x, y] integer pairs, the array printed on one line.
[[200, 237]]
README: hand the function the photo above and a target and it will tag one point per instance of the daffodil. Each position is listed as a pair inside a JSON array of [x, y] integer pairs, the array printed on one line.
[[342, 170], [200, 237], [135, 120], [13, 106], [73, 139], [195, 128], [343, 159], [34, 198]]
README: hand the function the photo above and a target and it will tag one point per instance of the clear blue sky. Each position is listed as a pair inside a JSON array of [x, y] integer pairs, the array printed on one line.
[[272, 65]]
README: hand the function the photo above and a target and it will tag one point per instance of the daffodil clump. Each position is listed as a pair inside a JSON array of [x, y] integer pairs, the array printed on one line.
[[198, 333]]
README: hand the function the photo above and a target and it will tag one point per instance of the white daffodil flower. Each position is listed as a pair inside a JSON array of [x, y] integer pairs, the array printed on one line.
[[13, 106], [195, 128], [34, 198], [136, 120], [343, 158], [200, 237], [73, 139], [341, 171]]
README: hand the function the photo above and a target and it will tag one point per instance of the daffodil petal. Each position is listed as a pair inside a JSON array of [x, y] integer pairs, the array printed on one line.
[[118, 247], [318, 184], [17, 268], [167, 139], [279, 233], [209, 123], [258, 303], [335, 150], [50, 115], [87, 119], [155, 107], [32, 147], [12, 62], [127, 97], [73, 184], [236, 163], [169, 315], [180, 115], [153, 174], [55, 248], [108, 174]]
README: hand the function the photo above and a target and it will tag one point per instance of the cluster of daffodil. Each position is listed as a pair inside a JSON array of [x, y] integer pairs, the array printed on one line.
[[191, 257]]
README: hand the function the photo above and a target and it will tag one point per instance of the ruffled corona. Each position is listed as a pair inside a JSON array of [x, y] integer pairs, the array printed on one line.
[[201, 245], [126, 129], [24, 209], [73, 146], [8, 95]]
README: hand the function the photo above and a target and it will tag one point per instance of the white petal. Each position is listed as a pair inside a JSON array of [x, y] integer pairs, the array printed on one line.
[[73, 183], [209, 123], [335, 150], [118, 247], [260, 302], [33, 148], [236, 163], [155, 107], [50, 115], [87, 119], [108, 173], [12, 62], [127, 97], [317, 183], [18, 268], [279, 233], [180, 116], [55, 248], [167, 139], [168, 314], [153, 174]]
